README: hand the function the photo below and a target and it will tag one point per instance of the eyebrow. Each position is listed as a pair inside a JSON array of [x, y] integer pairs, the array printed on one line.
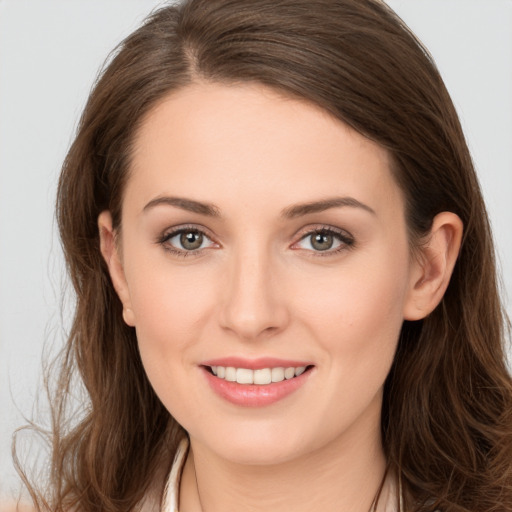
[[290, 212], [185, 204], [299, 210]]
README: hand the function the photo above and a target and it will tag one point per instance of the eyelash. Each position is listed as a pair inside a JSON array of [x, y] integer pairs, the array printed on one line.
[[346, 240], [163, 241]]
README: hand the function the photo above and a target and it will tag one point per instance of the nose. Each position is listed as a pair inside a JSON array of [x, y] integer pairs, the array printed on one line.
[[254, 301]]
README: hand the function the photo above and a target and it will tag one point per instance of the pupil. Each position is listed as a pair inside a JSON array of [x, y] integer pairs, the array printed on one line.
[[322, 241], [191, 240]]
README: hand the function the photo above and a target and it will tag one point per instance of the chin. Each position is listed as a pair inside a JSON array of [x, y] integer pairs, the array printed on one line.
[[258, 452], [265, 443], [253, 444]]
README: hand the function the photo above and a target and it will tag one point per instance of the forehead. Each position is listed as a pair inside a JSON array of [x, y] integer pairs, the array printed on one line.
[[252, 143]]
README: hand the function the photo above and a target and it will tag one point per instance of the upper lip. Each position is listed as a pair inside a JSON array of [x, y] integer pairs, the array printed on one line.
[[255, 364]]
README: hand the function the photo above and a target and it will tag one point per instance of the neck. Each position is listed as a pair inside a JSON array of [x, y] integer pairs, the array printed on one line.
[[344, 474]]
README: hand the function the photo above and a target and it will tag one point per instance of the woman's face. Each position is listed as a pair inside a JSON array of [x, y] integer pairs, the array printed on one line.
[[260, 234]]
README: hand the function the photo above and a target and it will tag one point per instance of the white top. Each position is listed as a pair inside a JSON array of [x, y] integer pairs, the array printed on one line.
[[172, 487]]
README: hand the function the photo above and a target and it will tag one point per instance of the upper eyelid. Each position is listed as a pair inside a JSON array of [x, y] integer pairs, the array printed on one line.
[[173, 231], [306, 231]]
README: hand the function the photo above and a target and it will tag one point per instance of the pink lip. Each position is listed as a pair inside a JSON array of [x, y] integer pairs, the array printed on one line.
[[253, 395], [255, 364]]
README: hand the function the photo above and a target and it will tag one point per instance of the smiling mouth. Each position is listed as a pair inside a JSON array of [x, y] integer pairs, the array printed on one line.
[[262, 376]]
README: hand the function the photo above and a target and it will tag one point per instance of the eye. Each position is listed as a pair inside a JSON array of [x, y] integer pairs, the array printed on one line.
[[325, 240], [186, 240]]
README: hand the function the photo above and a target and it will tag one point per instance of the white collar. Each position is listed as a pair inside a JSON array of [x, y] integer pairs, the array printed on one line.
[[172, 487]]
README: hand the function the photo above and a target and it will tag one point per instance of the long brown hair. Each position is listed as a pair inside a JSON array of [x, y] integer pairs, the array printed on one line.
[[447, 411]]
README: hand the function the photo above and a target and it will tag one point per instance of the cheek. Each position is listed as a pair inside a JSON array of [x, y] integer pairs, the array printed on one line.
[[170, 306], [357, 312]]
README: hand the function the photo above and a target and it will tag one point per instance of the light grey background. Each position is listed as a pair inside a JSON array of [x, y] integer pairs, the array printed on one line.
[[50, 53]]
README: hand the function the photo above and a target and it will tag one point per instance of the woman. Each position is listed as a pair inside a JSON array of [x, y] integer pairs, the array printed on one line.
[[284, 274]]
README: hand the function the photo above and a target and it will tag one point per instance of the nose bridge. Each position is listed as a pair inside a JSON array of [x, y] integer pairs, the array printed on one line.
[[252, 304]]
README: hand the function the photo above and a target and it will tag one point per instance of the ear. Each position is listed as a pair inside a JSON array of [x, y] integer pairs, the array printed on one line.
[[433, 267], [110, 252]]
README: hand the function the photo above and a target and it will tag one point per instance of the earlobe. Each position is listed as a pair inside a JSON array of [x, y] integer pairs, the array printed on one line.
[[110, 253], [433, 268]]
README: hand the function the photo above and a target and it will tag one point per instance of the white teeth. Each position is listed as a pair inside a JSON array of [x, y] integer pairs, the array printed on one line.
[[300, 370], [230, 374], [263, 376], [260, 377], [277, 374], [244, 376], [289, 373]]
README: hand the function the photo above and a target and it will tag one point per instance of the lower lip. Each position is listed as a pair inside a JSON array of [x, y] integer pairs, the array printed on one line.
[[254, 395]]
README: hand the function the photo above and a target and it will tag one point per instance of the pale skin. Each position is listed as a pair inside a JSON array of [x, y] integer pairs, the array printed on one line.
[[250, 164]]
